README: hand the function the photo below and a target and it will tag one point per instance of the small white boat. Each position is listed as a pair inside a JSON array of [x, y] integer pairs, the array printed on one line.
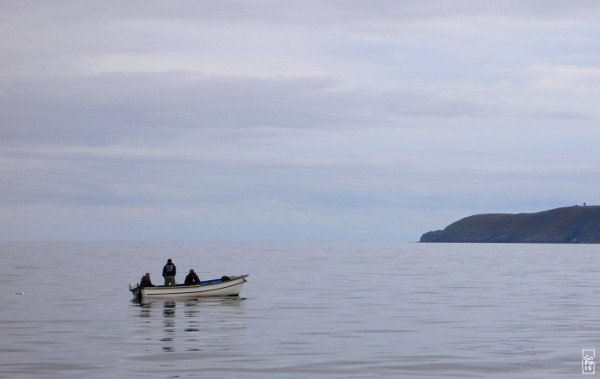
[[224, 286]]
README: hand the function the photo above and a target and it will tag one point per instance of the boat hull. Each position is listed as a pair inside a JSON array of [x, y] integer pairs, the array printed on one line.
[[209, 288]]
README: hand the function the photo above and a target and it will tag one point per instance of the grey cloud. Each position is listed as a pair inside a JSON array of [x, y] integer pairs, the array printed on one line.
[[391, 110], [306, 11], [105, 108]]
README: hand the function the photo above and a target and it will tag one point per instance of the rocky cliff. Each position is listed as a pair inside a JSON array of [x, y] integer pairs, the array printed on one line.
[[578, 224]]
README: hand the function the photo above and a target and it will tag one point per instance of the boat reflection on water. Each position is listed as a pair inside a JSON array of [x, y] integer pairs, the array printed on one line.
[[169, 325], [204, 324]]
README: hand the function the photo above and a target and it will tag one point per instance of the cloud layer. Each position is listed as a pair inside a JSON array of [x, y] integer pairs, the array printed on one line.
[[296, 121]]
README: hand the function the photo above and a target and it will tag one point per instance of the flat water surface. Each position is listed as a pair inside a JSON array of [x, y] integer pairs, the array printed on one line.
[[308, 311]]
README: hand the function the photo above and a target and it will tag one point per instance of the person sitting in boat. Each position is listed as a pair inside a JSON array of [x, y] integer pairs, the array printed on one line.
[[169, 272], [145, 281], [192, 279]]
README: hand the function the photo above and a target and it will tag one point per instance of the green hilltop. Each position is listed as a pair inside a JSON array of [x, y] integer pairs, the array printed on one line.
[[577, 224]]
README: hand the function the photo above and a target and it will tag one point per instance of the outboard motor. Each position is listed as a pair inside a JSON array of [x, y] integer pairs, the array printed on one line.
[[136, 291]]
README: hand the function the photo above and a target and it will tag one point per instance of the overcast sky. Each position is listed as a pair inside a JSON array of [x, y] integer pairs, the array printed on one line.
[[292, 120]]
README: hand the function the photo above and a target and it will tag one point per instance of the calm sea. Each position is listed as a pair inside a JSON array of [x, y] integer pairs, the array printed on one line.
[[308, 311]]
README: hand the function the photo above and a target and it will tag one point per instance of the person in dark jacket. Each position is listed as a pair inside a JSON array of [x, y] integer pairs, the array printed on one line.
[[145, 281], [169, 272], [192, 279]]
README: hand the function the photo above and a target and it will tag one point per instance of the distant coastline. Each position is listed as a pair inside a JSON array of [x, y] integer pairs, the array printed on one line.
[[576, 224]]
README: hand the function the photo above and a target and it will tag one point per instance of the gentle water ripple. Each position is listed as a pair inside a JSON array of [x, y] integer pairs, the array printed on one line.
[[308, 310]]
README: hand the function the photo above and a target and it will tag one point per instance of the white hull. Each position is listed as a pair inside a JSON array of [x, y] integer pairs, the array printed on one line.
[[209, 288]]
